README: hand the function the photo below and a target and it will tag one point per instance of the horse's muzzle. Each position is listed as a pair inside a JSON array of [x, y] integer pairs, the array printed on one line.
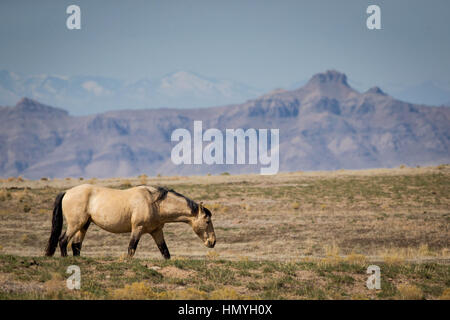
[[210, 243]]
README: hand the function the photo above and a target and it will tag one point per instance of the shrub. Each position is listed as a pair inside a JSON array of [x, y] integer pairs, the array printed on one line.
[[295, 205], [24, 239], [424, 251], [44, 179], [143, 291], [394, 257], [356, 259], [409, 292], [184, 294], [445, 295], [126, 184], [55, 284], [212, 254], [3, 193], [227, 294], [218, 207], [22, 195], [134, 291], [214, 206], [143, 179], [332, 250], [225, 174], [332, 255]]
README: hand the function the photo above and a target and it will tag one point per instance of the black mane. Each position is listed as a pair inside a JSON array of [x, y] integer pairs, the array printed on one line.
[[163, 191], [207, 212]]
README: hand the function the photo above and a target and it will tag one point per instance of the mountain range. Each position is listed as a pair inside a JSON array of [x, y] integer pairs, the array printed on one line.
[[324, 125], [82, 95]]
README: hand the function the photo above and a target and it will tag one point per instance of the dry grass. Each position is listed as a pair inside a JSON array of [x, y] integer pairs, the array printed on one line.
[[134, 291], [143, 291], [107, 278], [92, 181], [143, 179], [55, 284], [409, 292], [356, 259], [126, 184], [4, 195], [394, 257], [445, 295]]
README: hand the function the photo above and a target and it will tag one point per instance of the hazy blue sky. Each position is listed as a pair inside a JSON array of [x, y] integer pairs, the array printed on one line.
[[262, 43]]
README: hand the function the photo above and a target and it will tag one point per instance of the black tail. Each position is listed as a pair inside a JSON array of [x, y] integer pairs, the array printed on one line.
[[57, 223]]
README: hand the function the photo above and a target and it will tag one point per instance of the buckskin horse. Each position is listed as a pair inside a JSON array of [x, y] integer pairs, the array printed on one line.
[[138, 210]]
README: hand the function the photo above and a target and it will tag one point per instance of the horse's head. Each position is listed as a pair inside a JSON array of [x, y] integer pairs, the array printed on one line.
[[202, 225], [178, 208]]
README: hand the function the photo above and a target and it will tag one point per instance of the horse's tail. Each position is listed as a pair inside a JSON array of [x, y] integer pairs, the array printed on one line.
[[57, 223]]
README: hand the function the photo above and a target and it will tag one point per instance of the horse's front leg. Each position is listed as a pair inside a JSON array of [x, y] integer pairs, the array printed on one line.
[[136, 234], [158, 236]]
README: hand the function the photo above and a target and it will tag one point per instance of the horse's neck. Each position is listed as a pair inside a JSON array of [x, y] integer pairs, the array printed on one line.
[[174, 217], [167, 216]]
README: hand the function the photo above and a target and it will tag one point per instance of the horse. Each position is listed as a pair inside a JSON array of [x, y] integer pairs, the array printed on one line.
[[138, 210]]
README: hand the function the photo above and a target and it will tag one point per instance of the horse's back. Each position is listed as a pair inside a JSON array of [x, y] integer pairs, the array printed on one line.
[[110, 209]]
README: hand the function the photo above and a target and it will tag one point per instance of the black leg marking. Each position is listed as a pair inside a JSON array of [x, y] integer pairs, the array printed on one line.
[[63, 245], [164, 250], [76, 249], [86, 225], [132, 246]]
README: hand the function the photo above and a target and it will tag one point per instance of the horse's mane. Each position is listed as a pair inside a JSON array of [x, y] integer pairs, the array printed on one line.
[[163, 191]]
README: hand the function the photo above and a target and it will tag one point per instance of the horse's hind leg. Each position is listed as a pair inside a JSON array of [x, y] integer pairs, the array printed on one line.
[[78, 239], [135, 237], [65, 238], [63, 244]]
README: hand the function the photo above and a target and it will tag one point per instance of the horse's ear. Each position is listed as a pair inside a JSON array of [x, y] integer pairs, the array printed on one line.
[[200, 208]]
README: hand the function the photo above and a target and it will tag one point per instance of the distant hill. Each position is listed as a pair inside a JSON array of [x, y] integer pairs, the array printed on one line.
[[324, 125]]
